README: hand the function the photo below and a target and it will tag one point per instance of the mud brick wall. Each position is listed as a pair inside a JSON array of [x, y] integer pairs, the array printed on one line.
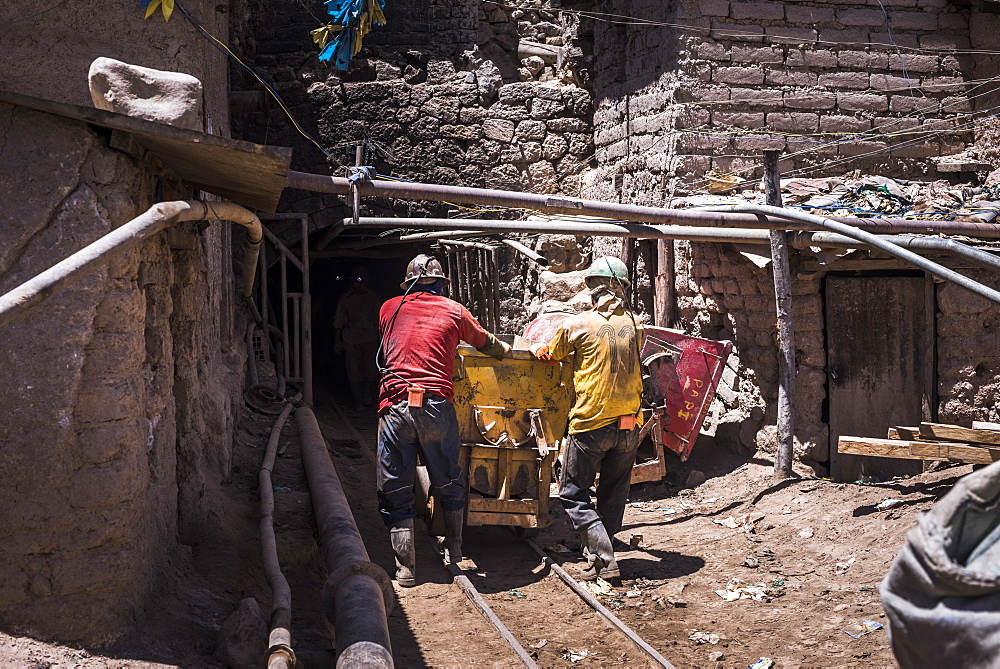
[[767, 75], [116, 424]]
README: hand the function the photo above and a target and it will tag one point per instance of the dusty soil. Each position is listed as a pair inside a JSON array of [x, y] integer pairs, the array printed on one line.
[[819, 547]]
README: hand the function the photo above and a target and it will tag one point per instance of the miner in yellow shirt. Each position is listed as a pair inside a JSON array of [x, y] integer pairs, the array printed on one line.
[[605, 344]]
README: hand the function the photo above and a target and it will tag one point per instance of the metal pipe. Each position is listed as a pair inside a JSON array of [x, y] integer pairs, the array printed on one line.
[[936, 244], [156, 218], [595, 604], [461, 244], [558, 204], [525, 251], [280, 654], [877, 242], [307, 358], [357, 594]]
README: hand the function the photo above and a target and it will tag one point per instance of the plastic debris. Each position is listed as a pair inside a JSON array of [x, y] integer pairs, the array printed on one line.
[[281, 488], [751, 562], [598, 587], [888, 503], [747, 522], [841, 567], [577, 655], [700, 638], [710, 500], [737, 589], [668, 511], [634, 593], [778, 584], [540, 644], [861, 628], [807, 533], [721, 182], [516, 593], [762, 663]]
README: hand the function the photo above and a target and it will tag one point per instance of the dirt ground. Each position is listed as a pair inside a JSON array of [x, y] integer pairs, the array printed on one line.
[[820, 548]]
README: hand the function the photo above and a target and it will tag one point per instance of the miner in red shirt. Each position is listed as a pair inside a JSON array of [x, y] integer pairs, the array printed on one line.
[[420, 331]]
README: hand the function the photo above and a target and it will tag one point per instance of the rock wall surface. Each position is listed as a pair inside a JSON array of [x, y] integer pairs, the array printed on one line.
[[117, 411]]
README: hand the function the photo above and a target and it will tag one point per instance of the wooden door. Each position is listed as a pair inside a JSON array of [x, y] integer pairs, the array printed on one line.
[[880, 343]]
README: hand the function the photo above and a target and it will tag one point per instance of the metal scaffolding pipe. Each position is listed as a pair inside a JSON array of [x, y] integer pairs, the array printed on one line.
[[279, 643], [156, 218], [559, 204], [525, 251], [935, 244], [876, 242], [357, 594]]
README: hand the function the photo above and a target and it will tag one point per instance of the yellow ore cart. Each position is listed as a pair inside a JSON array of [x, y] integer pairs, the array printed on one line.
[[512, 417]]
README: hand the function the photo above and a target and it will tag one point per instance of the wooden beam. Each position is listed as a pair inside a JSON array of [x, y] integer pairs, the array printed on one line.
[[905, 433], [918, 450], [956, 433]]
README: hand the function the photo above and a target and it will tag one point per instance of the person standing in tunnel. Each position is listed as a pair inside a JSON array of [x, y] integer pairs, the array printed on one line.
[[607, 380], [355, 331], [420, 332]]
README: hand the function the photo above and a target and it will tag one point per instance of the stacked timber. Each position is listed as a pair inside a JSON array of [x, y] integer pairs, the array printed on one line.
[[979, 444]]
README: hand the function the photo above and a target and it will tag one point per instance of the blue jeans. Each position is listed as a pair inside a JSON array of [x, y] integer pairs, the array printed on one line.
[[609, 451], [403, 432]]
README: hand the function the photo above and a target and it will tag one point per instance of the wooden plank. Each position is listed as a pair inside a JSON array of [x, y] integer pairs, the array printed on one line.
[[249, 174], [906, 433], [492, 505], [983, 425], [917, 450], [957, 433], [476, 518]]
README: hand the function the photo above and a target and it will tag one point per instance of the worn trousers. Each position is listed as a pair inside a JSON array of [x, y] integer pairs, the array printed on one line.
[[609, 451], [403, 432]]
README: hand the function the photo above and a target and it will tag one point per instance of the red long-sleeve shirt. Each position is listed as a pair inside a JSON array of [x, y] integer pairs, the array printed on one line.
[[420, 343]]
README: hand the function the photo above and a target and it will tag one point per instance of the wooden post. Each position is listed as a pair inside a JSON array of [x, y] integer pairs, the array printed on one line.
[[786, 336], [663, 295]]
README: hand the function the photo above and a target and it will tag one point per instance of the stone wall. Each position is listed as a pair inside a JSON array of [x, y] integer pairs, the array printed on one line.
[[120, 391]]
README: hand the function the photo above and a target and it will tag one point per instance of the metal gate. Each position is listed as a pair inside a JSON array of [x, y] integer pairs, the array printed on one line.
[[290, 322]]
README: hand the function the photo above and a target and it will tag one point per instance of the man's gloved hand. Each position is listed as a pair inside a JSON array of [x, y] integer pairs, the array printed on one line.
[[541, 351], [506, 349]]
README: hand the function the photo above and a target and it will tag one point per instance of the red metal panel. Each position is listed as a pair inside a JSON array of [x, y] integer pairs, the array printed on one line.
[[687, 381]]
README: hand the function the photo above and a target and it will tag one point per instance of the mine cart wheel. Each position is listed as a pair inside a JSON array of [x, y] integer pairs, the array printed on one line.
[[526, 532]]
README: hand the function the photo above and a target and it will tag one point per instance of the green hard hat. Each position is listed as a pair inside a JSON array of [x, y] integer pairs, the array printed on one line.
[[607, 267]]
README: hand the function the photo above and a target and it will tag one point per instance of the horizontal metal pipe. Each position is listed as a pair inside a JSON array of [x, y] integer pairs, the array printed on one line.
[[558, 204], [525, 251], [357, 594], [464, 244], [156, 218], [874, 241], [933, 244]]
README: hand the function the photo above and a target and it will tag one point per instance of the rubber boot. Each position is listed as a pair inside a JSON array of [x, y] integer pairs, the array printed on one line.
[[600, 554], [401, 536], [453, 522]]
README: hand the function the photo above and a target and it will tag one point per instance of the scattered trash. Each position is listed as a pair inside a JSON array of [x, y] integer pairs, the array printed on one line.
[[717, 656], [516, 593], [668, 511], [841, 567], [703, 637], [637, 505], [778, 584], [635, 541], [721, 182], [616, 603], [540, 644], [598, 587], [746, 522], [710, 500], [634, 593], [737, 589], [799, 500], [751, 562], [762, 663], [577, 655], [280, 488], [806, 533], [888, 503], [861, 628], [671, 594]]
